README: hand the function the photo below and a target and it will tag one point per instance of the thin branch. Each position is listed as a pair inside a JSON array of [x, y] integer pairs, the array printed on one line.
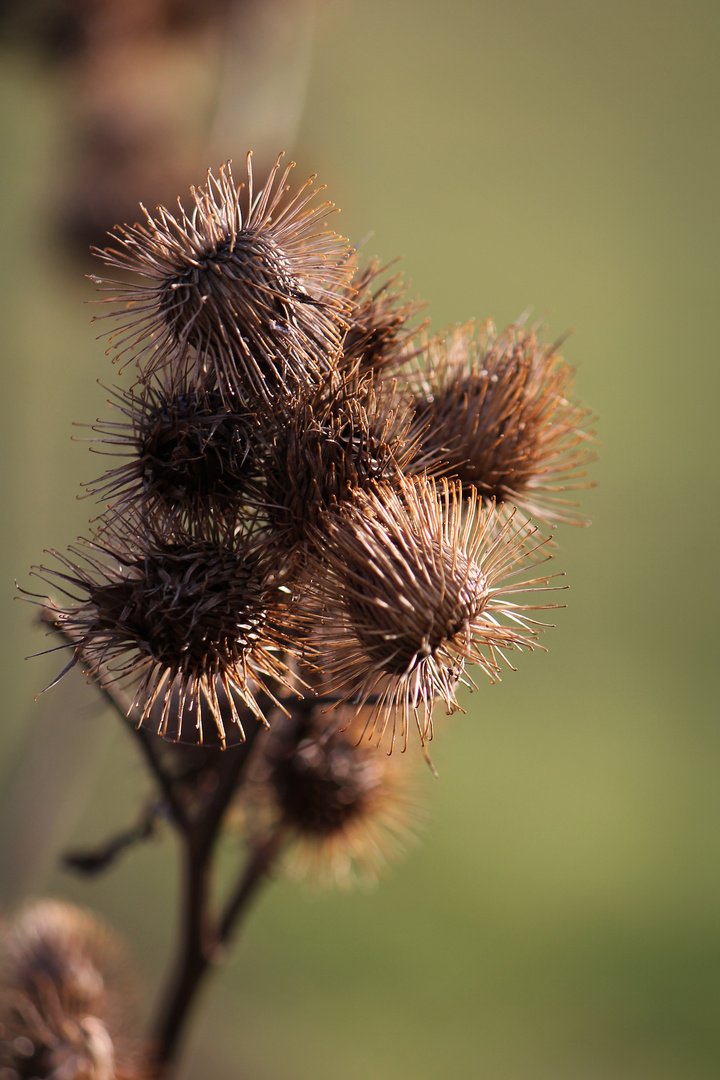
[[96, 860], [198, 937]]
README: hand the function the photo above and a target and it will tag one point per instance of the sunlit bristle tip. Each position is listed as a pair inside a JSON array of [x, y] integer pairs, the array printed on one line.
[[497, 409], [66, 998], [246, 289], [194, 626], [417, 583]]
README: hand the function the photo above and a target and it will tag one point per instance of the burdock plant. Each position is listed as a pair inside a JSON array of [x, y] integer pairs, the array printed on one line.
[[316, 526]]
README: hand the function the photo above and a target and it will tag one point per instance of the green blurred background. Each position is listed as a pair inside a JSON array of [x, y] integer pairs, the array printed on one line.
[[561, 917]]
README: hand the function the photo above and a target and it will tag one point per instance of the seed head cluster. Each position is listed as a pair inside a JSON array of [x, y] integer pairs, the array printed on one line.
[[307, 495]]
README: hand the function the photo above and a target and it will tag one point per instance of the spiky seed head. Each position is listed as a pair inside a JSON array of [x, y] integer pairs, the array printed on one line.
[[182, 618], [348, 808], [189, 454], [382, 325], [65, 998], [497, 408], [330, 444], [414, 584], [245, 289]]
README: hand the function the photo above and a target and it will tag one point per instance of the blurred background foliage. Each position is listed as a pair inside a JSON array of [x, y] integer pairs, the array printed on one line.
[[561, 916]]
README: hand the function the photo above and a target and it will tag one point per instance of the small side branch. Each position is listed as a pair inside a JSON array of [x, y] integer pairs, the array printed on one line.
[[100, 858]]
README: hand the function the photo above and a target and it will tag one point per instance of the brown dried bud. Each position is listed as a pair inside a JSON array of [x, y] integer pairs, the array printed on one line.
[[380, 335], [415, 584], [330, 445], [65, 994], [496, 409], [182, 617], [189, 454], [348, 808], [249, 295]]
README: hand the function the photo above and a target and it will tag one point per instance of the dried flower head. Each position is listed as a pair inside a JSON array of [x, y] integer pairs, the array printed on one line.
[[64, 998], [381, 331], [348, 808], [497, 408], [181, 617], [189, 454], [330, 444], [415, 584], [245, 289]]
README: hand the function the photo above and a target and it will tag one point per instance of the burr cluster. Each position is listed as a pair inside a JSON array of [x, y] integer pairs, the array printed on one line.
[[311, 497]]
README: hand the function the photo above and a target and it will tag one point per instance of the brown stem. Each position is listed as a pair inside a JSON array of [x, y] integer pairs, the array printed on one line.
[[199, 939], [198, 956], [191, 963]]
